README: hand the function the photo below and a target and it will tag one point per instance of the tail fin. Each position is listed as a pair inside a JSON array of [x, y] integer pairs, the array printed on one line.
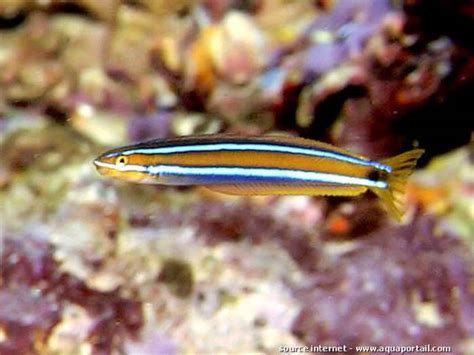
[[402, 167]]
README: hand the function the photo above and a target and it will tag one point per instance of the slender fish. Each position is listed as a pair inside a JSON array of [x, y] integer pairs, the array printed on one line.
[[268, 165]]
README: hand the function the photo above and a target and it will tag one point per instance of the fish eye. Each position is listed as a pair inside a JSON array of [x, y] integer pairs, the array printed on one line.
[[121, 160]]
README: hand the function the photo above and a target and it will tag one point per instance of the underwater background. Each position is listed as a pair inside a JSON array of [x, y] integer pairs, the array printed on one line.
[[90, 265]]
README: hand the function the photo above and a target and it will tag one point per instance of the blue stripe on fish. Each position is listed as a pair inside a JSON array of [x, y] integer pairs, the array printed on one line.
[[217, 174], [256, 147]]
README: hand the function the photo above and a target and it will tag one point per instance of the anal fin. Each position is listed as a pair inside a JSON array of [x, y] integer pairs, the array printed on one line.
[[287, 189]]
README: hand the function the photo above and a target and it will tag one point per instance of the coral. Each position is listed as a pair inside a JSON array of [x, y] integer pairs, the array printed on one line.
[[90, 265]]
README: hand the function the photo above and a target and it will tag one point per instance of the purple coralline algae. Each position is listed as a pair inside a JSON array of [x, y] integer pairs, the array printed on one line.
[[99, 266]]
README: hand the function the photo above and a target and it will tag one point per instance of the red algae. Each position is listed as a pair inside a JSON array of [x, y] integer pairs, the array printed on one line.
[[26, 261], [26, 318], [376, 293], [89, 265], [35, 288], [218, 222]]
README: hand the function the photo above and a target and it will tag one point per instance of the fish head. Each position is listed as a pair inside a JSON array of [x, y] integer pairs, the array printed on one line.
[[123, 165]]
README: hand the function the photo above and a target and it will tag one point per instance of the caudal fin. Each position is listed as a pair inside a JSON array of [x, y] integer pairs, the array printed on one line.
[[402, 167]]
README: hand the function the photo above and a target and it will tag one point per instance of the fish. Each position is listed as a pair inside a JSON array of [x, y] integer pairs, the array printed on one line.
[[262, 165]]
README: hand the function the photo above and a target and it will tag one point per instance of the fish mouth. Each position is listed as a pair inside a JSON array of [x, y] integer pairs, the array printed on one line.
[[102, 168], [100, 164]]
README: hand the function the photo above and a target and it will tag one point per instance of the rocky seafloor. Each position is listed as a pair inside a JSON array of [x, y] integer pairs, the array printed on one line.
[[90, 265]]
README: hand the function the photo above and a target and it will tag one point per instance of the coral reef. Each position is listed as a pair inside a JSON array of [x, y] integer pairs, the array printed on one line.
[[89, 265], [397, 285]]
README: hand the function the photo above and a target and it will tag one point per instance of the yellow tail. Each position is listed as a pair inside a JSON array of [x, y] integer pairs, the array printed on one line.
[[394, 196]]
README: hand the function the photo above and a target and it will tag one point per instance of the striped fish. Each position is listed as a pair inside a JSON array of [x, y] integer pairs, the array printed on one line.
[[268, 165]]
